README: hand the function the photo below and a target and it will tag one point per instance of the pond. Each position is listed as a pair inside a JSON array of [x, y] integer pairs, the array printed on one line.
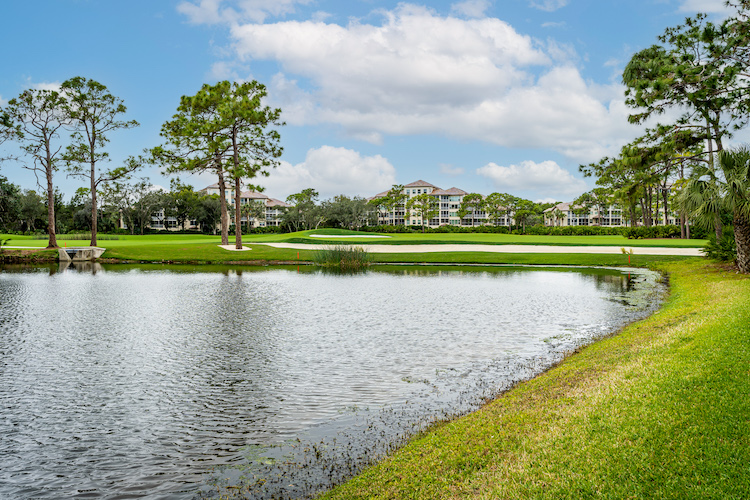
[[168, 381]]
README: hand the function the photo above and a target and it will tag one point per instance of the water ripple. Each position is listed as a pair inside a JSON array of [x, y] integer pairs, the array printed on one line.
[[135, 382]]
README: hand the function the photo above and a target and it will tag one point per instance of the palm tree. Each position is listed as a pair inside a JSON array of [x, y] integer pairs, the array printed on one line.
[[706, 197], [253, 210], [558, 215]]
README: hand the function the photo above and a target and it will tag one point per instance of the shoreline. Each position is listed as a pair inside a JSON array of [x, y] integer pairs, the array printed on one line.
[[624, 417]]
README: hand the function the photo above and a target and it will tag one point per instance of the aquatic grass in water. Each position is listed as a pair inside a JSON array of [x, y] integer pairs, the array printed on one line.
[[344, 257]]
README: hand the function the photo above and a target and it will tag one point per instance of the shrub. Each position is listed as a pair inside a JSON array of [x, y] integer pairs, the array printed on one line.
[[572, 230], [670, 231], [725, 249]]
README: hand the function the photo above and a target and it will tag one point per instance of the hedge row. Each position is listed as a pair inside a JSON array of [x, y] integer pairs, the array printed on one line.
[[651, 232]]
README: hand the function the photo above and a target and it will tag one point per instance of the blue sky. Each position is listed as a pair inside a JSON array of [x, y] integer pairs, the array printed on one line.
[[504, 95]]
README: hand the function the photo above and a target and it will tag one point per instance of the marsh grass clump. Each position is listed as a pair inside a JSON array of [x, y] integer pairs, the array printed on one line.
[[343, 257]]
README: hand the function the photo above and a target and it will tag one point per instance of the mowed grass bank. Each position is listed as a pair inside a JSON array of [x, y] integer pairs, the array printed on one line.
[[661, 410], [318, 237], [356, 238]]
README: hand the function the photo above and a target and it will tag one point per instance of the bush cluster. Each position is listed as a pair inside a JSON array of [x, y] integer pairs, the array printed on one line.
[[441, 229], [725, 249], [571, 230], [636, 233]]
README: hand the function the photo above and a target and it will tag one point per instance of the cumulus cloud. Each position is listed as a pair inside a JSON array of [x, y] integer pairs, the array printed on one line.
[[421, 73], [546, 177], [471, 8], [548, 5], [234, 11], [331, 171]]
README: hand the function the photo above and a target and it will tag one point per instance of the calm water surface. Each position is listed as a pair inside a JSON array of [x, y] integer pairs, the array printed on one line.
[[133, 382]]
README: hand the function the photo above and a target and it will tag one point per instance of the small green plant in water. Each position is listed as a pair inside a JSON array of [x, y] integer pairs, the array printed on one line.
[[344, 257]]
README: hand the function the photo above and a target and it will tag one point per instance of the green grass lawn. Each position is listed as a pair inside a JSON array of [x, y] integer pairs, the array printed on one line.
[[484, 238], [204, 248], [392, 239], [658, 411]]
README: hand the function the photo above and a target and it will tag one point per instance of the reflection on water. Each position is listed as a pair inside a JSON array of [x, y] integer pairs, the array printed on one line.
[[130, 381]]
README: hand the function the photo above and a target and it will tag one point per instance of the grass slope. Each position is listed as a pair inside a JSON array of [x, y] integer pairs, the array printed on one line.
[[393, 239], [658, 411], [484, 238]]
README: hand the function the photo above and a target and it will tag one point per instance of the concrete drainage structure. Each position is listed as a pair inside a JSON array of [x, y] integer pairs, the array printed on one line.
[[78, 254]]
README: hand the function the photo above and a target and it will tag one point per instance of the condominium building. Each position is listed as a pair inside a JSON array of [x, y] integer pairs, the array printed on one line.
[[566, 214], [449, 204], [269, 217]]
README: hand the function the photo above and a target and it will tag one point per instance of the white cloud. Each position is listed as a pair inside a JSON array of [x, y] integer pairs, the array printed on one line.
[[447, 169], [548, 5], [707, 6], [553, 24], [223, 70], [331, 171], [234, 11], [3, 102], [46, 86], [545, 178], [546, 200], [471, 8], [421, 73], [320, 16]]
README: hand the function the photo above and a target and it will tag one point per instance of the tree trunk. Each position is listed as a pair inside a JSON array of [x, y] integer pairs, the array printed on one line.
[[237, 215], [742, 242], [683, 227], [684, 232], [50, 198], [642, 202], [223, 205], [93, 206], [237, 193], [718, 228], [51, 209]]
